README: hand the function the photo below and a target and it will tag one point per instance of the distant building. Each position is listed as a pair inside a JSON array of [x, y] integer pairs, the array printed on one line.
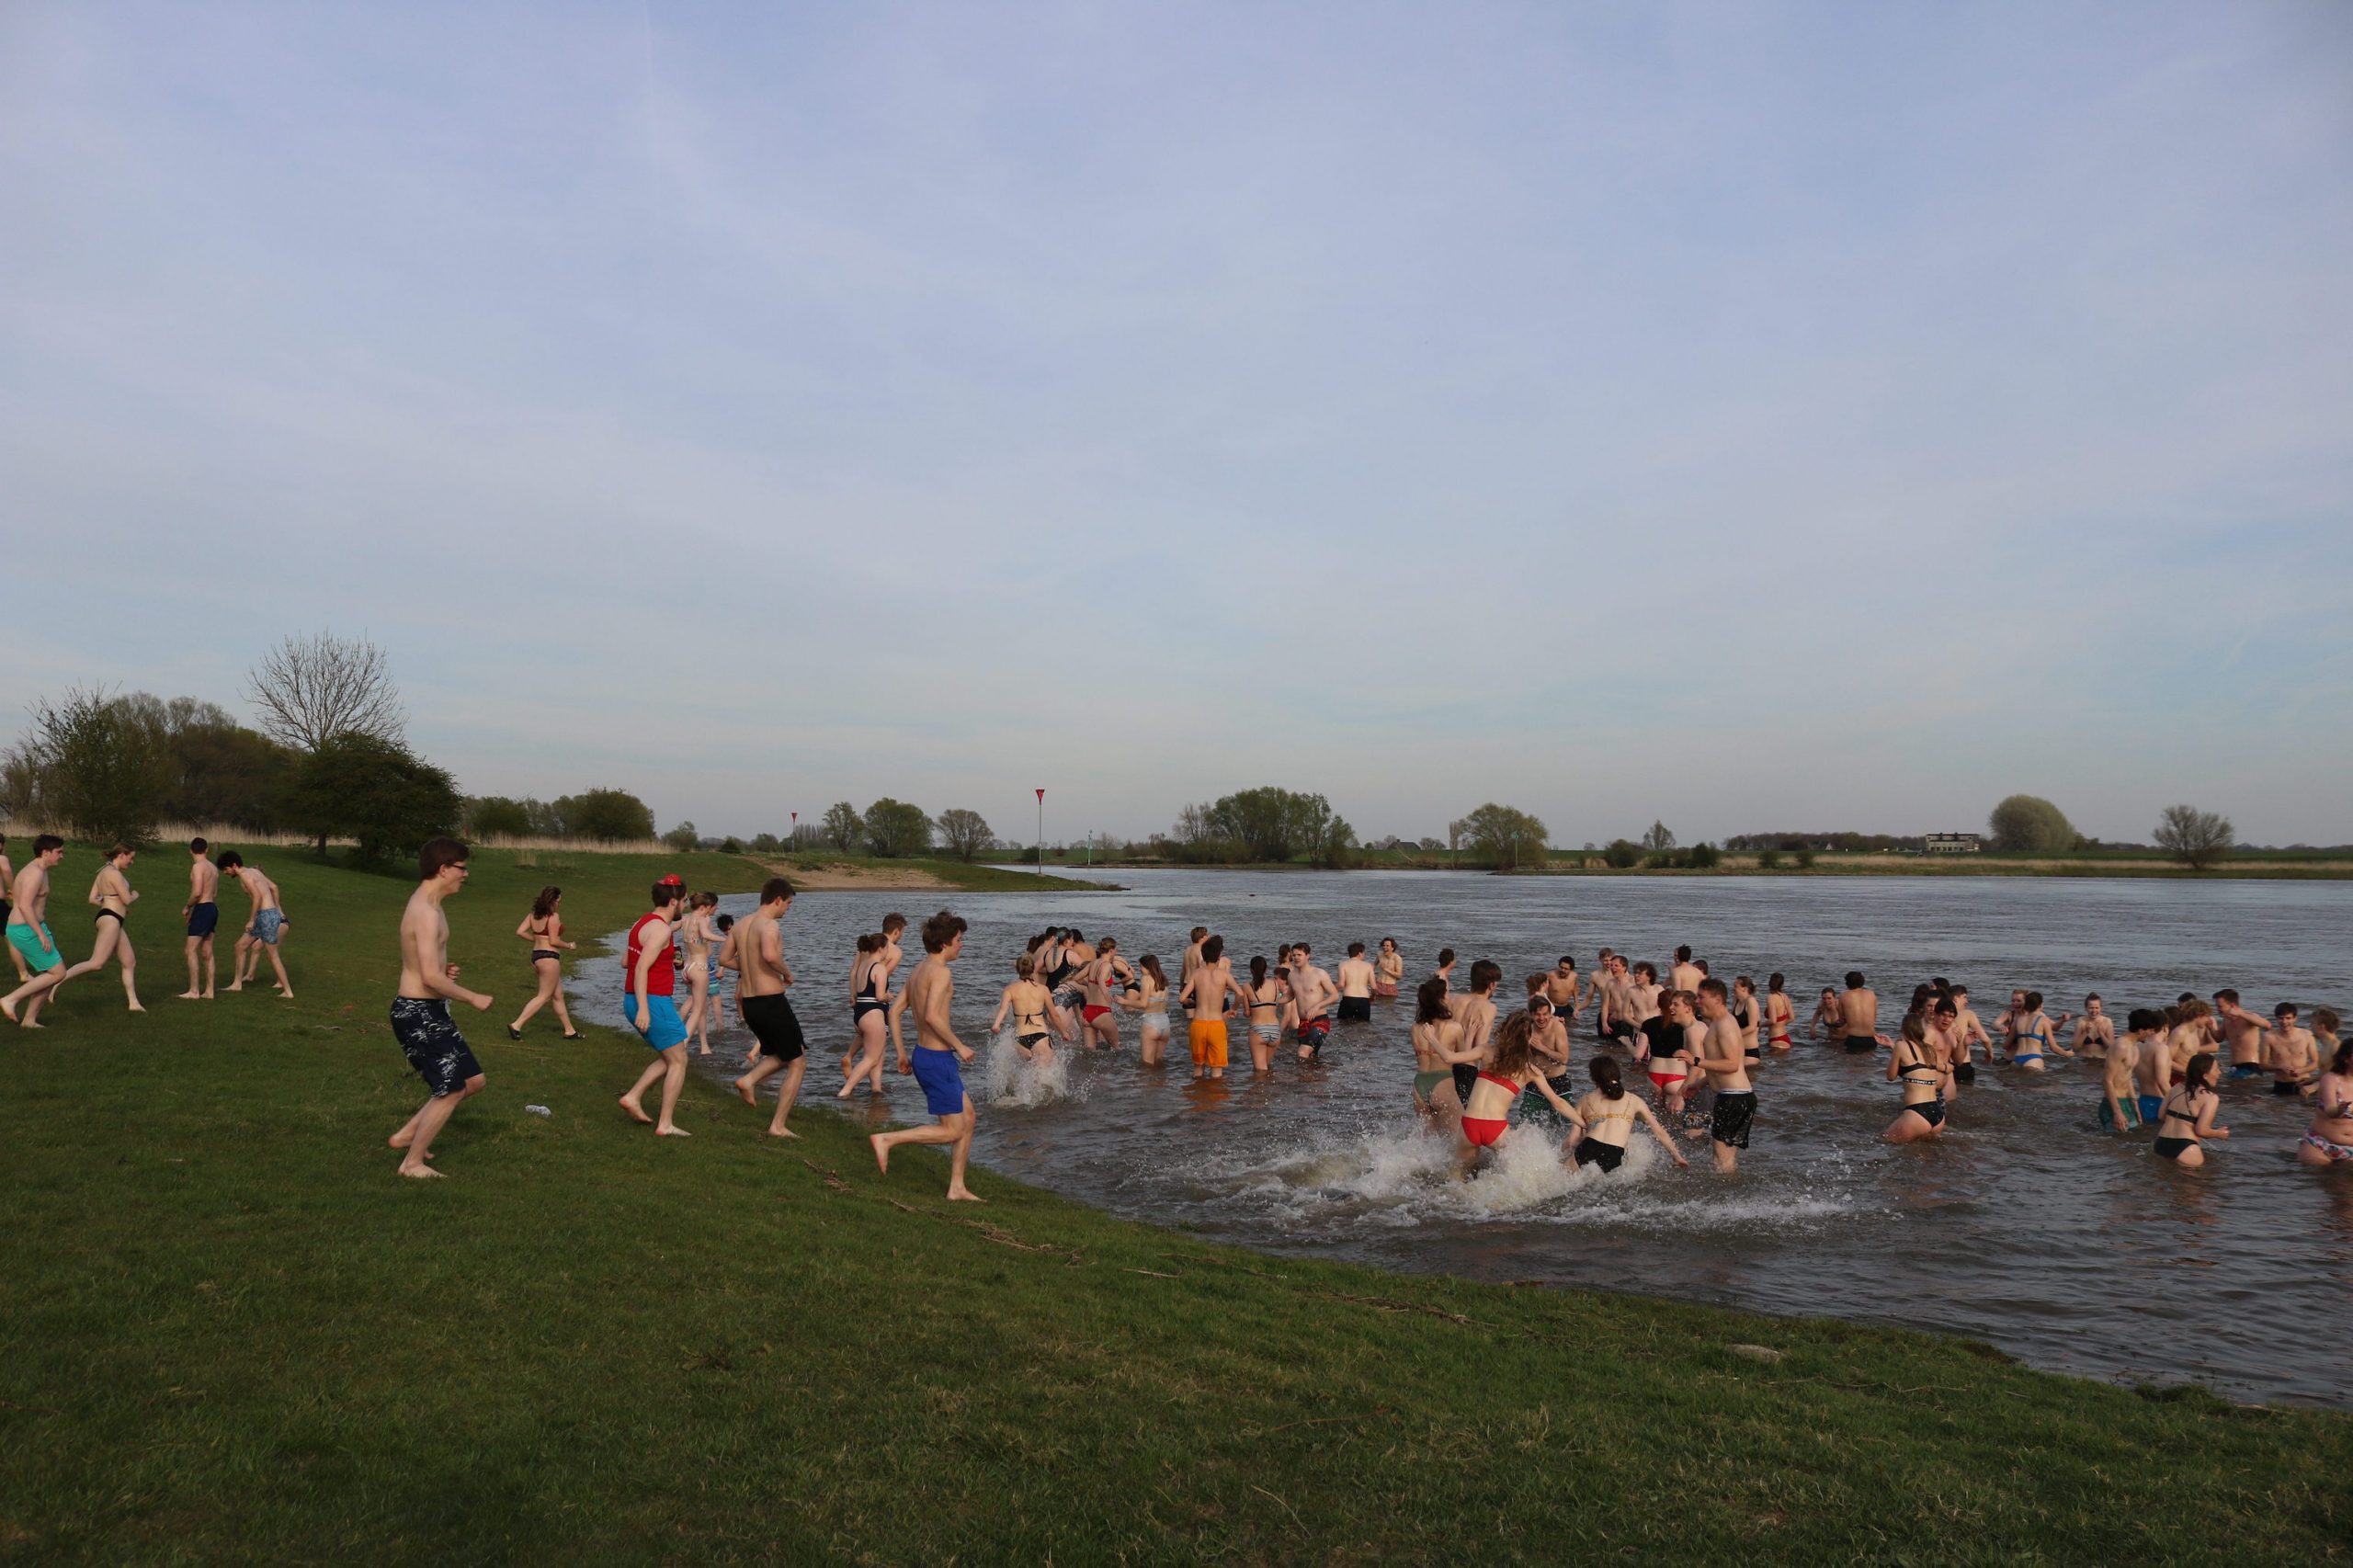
[[1954, 844]]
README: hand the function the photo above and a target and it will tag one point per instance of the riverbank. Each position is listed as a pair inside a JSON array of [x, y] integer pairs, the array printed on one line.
[[233, 1336], [847, 873], [2264, 867]]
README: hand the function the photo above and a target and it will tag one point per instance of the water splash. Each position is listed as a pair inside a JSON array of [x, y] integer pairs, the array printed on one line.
[[1014, 1078]]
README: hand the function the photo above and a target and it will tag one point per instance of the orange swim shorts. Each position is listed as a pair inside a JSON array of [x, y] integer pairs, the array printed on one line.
[[1207, 1038]]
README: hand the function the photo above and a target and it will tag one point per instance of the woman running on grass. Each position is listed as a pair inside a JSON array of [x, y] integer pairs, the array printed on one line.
[[543, 929]]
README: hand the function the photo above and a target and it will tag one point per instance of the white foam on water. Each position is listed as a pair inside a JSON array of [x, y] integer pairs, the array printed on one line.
[[1396, 1179], [1010, 1078]]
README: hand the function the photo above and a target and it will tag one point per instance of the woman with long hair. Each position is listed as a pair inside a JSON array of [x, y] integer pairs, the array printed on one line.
[[1267, 995], [697, 941], [1779, 1012], [114, 895], [543, 929], [1437, 1036], [2329, 1139], [869, 1005], [1919, 1064], [1147, 998], [2188, 1119], [1512, 1067], [1388, 968]]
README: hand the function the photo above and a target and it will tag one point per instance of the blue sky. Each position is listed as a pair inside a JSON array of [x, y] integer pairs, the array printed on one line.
[[1748, 415]]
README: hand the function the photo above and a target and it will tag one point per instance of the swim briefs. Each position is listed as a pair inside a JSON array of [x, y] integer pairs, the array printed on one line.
[[1735, 1109], [1206, 1036], [1481, 1131], [1964, 1071], [2247, 1069], [1859, 1043], [1424, 1082], [1091, 1012], [268, 924], [1593, 1152], [26, 940], [435, 1049], [664, 1028], [942, 1079], [1930, 1111], [1355, 1009], [203, 919], [775, 1025]]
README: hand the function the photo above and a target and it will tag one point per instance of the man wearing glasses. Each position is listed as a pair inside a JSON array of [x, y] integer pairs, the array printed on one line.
[[421, 1012]]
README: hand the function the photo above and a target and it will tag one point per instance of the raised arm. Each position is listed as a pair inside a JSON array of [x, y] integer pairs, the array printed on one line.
[[1650, 1119]]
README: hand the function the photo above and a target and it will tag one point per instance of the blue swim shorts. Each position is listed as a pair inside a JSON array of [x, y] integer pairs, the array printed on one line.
[[2248, 1070], [267, 923], [664, 1027], [2150, 1106], [26, 940], [942, 1080]]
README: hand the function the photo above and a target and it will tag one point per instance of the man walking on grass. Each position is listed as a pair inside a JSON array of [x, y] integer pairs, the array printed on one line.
[[267, 931], [202, 912], [421, 1010], [939, 1056], [652, 1011], [761, 981]]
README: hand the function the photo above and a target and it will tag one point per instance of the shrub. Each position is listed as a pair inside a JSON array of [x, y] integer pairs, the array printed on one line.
[[1769, 860], [2032, 824], [376, 792], [1622, 854]]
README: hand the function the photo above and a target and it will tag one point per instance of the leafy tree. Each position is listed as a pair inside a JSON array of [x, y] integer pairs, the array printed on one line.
[[844, 828], [2198, 840], [765, 844], [497, 816], [683, 837], [730, 846], [1660, 837], [1263, 822], [1768, 860], [2032, 824], [895, 828], [1805, 860], [307, 690], [94, 768], [1506, 838], [966, 833], [1331, 843], [1623, 855], [609, 815], [1701, 855], [375, 791]]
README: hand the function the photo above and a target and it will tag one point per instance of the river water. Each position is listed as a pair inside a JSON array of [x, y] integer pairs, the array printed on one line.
[[2025, 1225]]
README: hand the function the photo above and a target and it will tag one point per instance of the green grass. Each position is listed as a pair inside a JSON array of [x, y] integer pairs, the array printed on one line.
[[961, 875], [233, 1336]]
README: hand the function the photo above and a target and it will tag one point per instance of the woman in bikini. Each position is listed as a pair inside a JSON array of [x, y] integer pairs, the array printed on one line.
[[2188, 1119], [1610, 1113], [1920, 1065], [870, 1003], [1780, 1014], [2033, 1035], [1437, 1039], [2329, 1139], [1388, 970], [543, 929], [1512, 1067], [112, 893], [1829, 1011], [1030, 1004], [696, 941], [1147, 998], [1750, 1018], [1267, 997]]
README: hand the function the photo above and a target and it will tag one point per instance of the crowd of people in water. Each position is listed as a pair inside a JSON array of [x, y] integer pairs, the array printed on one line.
[[1697, 1040]]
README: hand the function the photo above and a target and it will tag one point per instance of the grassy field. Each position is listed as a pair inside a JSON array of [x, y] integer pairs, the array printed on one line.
[[233, 1336]]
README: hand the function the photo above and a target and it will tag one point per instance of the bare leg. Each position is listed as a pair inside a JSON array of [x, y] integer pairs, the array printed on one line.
[[416, 1136], [130, 971], [548, 972], [788, 1094], [748, 1084], [237, 964], [555, 999], [31, 994], [1727, 1157], [630, 1101], [954, 1130], [211, 968], [674, 1078], [279, 965], [959, 1154], [869, 1056], [195, 991]]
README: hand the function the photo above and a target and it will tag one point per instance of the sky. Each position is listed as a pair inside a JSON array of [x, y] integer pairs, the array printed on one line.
[[1748, 416]]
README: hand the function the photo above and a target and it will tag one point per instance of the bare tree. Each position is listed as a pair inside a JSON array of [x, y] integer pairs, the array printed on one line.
[[966, 832], [2196, 838], [309, 689]]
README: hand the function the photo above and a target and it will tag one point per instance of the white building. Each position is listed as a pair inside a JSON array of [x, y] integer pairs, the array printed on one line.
[[1954, 844]]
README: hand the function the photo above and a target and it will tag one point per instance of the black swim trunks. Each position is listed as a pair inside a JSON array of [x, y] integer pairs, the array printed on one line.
[[1608, 1156], [203, 919], [1355, 1009], [1536, 1111], [1861, 1042], [433, 1045], [1736, 1108], [775, 1025], [1466, 1075], [1964, 1071]]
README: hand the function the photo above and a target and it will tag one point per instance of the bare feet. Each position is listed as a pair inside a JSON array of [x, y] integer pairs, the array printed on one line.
[[400, 1140], [882, 1152], [237, 986], [749, 1098], [420, 1171], [964, 1195], [636, 1111], [845, 1089], [191, 995], [8, 1008], [137, 1008], [672, 1132], [782, 1133]]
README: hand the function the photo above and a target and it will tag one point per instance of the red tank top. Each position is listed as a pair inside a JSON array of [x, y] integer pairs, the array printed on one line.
[[663, 976]]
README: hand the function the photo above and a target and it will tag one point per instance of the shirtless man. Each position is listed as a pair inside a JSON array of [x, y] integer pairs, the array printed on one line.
[[1476, 1013], [2095, 1030], [1192, 960], [1970, 1034], [1736, 1108], [1594, 993], [2120, 1109], [421, 1008], [1638, 994], [938, 1058], [2290, 1052], [755, 953], [1313, 995], [1355, 975], [202, 912], [2152, 1071], [1858, 1015], [263, 932], [1561, 988], [30, 937], [1445, 970], [1685, 976], [1205, 997], [2242, 1032], [7, 902]]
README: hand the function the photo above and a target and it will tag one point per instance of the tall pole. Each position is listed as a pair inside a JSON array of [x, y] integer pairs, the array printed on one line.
[[1042, 832]]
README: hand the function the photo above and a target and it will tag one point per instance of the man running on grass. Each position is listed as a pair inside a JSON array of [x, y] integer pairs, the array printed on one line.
[[30, 937], [762, 978], [937, 1058], [651, 1009], [421, 1011]]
